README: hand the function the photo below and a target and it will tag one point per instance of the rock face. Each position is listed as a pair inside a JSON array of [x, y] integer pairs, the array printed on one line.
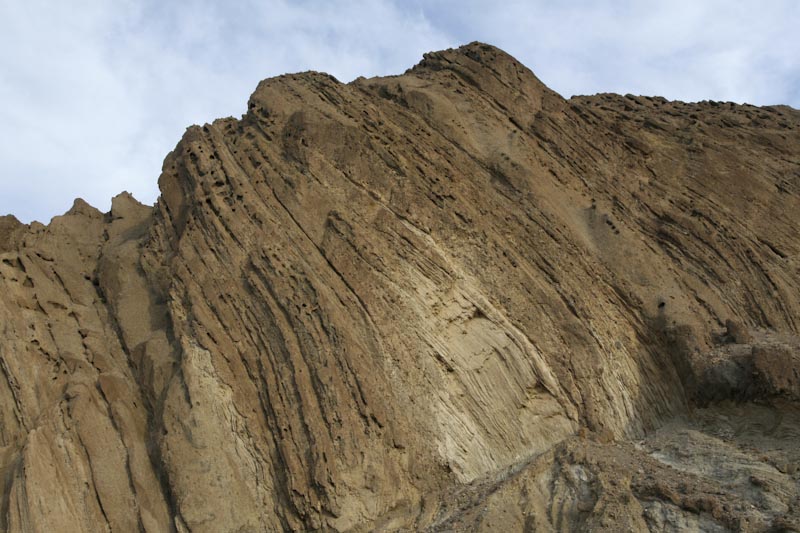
[[446, 300]]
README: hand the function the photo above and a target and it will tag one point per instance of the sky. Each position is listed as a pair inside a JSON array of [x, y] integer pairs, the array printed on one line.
[[95, 93]]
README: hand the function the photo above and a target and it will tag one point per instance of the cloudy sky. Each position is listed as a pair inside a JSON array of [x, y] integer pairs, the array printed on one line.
[[94, 93]]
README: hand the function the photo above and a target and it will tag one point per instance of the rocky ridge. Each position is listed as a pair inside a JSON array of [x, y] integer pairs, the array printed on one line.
[[445, 300]]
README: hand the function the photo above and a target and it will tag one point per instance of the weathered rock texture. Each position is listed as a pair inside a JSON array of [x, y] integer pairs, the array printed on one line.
[[447, 300]]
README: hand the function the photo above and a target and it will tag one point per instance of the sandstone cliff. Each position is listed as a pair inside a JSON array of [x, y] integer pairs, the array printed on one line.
[[445, 300]]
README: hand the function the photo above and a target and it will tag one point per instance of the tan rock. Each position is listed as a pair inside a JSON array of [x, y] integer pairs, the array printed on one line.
[[391, 304]]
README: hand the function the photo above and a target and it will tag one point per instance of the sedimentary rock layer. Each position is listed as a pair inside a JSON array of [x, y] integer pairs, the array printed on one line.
[[362, 300]]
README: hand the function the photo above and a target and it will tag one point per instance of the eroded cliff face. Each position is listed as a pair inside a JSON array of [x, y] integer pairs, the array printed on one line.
[[444, 300]]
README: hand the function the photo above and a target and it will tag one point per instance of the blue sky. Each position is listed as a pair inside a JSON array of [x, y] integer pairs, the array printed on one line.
[[95, 93]]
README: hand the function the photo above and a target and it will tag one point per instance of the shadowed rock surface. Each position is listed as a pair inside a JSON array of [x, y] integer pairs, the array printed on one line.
[[449, 300]]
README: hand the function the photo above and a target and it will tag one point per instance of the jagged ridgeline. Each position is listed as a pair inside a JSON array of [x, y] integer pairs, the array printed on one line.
[[445, 300]]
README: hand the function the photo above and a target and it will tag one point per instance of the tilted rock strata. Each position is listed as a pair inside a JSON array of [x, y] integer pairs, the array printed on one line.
[[360, 298]]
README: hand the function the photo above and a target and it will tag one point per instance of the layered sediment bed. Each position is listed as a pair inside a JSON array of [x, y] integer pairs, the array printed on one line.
[[449, 299]]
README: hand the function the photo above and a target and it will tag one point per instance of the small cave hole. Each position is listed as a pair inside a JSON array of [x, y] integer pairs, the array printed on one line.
[[478, 313]]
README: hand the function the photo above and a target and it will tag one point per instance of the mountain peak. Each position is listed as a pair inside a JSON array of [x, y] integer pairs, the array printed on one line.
[[482, 53], [486, 67]]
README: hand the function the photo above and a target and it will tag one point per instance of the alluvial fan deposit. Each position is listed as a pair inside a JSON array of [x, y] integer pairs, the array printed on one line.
[[449, 300]]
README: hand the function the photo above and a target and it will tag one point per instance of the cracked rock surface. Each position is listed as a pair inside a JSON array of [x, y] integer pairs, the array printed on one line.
[[449, 300]]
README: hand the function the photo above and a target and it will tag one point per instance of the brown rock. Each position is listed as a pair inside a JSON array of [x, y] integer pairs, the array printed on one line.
[[737, 332], [778, 368], [9, 227], [390, 305]]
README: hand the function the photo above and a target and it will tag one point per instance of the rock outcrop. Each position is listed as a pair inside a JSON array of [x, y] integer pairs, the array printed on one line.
[[445, 300]]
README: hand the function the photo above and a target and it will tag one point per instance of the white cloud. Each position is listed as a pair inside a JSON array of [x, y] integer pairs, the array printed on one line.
[[95, 93], [682, 49]]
